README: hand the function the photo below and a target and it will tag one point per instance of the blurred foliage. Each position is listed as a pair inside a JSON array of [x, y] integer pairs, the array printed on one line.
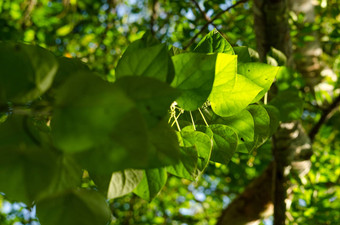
[[98, 32]]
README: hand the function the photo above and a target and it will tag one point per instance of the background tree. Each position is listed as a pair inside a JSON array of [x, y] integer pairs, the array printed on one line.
[[98, 32]]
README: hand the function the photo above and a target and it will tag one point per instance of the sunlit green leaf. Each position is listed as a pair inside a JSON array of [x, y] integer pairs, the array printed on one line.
[[123, 182], [232, 95], [261, 74], [243, 125]]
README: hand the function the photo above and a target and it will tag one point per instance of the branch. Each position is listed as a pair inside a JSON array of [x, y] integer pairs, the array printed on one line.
[[253, 203], [212, 20], [206, 17], [326, 115]]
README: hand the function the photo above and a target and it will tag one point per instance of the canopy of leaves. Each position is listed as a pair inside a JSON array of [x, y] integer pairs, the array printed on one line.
[[71, 136]]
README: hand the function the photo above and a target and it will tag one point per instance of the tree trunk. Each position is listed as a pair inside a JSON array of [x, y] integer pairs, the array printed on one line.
[[291, 145]]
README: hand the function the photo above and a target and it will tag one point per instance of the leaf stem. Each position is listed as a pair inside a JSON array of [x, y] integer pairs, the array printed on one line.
[[192, 120], [203, 117], [177, 124]]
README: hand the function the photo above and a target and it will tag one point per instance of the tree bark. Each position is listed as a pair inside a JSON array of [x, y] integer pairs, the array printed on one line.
[[306, 57], [292, 147], [252, 204]]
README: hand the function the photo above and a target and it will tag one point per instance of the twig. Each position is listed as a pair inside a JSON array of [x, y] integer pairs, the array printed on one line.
[[212, 20], [206, 17], [153, 16], [326, 115]]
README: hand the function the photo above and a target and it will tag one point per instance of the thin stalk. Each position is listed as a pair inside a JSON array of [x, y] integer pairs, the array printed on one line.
[[203, 117], [192, 120]]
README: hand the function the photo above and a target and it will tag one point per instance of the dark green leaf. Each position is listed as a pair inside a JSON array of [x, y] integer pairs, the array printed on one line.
[[29, 170], [152, 97], [214, 42], [242, 53], [151, 184], [74, 207], [194, 77], [151, 61], [175, 51], [85, 104], [26, 72], [261, 124], [203, 144], [289, 104], [187, 165], [274, 116], [225, 143]]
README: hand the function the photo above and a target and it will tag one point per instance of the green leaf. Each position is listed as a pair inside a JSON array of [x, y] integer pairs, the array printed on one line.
[[231, 93], [203, 129], [187, 165], [261, 74], [242, 123], [274, 116], [151, 184], [85, 104], [123, 182], [127, 146], [262, 126], [214, 42], [242, 53], [153, 61], [254, 55], [225, 143], [132, 146], [152, 97], [67, 67], [68, 174], [175, 51], [79, 206], [65, 30], [194, 77], [148, 40], [280, 58], [289, 104], [164, 149], [26, 72], [28, 172], [203, 144], [31, 171]]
